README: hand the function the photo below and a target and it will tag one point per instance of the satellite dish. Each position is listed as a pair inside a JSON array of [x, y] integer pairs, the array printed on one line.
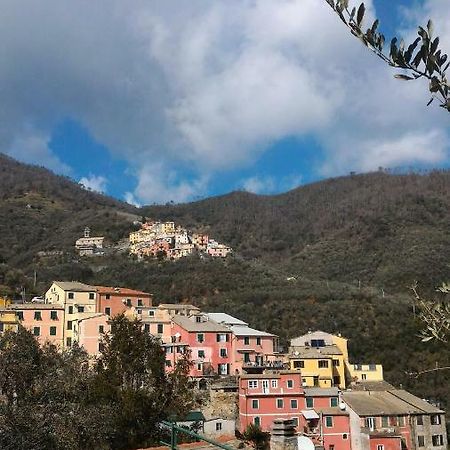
[[305, 443], [342, 406]]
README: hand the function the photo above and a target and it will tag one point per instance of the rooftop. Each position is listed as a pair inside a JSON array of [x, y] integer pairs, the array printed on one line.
[[385, 403], [225, 319], [119, 291], [193, 326], [20, 306], [74, 286], [321, 392], [313, 352]]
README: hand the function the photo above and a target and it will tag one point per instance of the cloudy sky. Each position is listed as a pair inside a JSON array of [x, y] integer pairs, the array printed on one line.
[[176, 100]]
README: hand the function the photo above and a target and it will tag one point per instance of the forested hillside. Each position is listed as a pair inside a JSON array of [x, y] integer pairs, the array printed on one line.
[[337, 255]]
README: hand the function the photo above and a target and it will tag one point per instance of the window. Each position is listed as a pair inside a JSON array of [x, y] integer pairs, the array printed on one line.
[[309, 402], [169, 350], [223, 352], [70, 295], [160, 328], [336, 363], [255, 404], [147, 328], [437, 440], [246, 357], [107, 296], [421, 441], [37, 331], [201, 353], [257, 421], [198, 319], [345, 436], [331, 447], [274, 383], [294, 404], [128, 302], [222, 337], [380, 447], [139, 311], [258, 341], [200, 337], [323, 363], [299, 364], [199, 366], [218, 426], [81, 309], [280, 403], [37, 315], [384, 421], [372, 367], [223, 369], [54, 315], [290, 384], [69, 342], [101, 346], [246, 340], [19, 315], [101, 329], [69, 324], [151, 313], [295, 421], [317, 343], [70, 309], [363, 376], [253, 384], [329, 421], [435, 419], [419, 420], [370, 423], [334, 401], [401, 421], [52, 331], [140, 302], [108, 311], [91, 296], [168, 363]]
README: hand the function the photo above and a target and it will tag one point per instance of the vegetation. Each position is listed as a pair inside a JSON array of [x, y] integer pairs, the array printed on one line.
[[338, 255], [421, 59], [60, 400]]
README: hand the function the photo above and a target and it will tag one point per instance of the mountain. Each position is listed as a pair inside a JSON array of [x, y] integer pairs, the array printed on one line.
[[337, 255]]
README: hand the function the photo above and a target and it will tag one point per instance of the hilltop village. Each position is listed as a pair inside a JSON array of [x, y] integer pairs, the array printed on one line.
[[167, 241], [312, 389]]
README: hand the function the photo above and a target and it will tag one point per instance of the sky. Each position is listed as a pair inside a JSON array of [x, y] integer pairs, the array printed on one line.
[[176, 100]]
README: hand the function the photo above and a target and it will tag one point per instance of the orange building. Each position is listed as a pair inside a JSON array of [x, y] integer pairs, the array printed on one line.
[[116, 300]]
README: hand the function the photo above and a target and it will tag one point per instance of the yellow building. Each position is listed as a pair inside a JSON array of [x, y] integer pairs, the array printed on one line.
[[324, 362], [8, 320], [76, 298]]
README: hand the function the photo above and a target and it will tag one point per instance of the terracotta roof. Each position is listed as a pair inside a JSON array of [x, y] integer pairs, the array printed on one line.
[[119, 291]]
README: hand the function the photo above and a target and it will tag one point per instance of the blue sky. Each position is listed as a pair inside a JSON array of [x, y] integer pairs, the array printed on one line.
[[179, 101]]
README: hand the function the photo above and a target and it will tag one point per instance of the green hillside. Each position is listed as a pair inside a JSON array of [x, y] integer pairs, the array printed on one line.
[[337, 255]]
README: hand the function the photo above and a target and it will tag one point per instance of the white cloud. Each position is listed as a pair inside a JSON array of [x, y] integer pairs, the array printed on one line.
[[95, 183], [270, 184], [131, 199], [209, 86], [31, 146]]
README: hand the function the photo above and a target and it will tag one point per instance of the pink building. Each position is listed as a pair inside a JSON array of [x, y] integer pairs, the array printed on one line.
[[209, 343], [269, 396], [117, 300], [45, 321], [88, 331], [250, 348], [326, 421]]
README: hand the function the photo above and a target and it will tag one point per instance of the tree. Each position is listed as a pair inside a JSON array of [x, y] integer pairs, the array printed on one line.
[[258, 438], [420, 59]]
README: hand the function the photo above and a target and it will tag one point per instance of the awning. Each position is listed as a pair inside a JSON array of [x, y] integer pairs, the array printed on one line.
[[310, 414], [246, 350]]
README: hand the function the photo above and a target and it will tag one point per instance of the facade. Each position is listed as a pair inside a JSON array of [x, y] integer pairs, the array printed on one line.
[[89, 245], [45, 321], [208, 341], [382, 419], [324, 362], [269, 396], [250, 348], [76, 298], [117, 300], [88, 331], [8, 320]]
